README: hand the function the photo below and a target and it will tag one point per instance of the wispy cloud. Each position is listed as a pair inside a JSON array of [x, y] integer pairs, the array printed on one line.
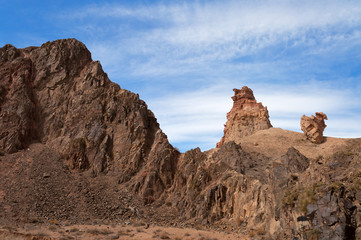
[[184, 58], [164, 37], [201, 114]]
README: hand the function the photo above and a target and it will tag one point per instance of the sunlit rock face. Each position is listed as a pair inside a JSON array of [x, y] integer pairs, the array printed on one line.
[[57, 95], [314, 126], [246, 117]]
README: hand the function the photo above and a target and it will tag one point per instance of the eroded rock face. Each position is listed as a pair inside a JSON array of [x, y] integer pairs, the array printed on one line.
[[334, 216], [246, 117], [74, 142], [314, 126], [55, 94]]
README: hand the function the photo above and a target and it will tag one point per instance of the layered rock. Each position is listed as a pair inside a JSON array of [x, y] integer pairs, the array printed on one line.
[[246, 117], [314, 126]]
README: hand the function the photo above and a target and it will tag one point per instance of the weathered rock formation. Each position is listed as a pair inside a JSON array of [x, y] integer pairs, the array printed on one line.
[[245, 118], [313, 127], [55, 94], [77, 148]]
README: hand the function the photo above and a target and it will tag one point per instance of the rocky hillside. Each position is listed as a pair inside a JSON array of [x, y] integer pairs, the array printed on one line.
[[76, 148]]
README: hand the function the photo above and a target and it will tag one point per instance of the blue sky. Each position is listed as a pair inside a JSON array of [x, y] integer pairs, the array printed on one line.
[[185, 57]]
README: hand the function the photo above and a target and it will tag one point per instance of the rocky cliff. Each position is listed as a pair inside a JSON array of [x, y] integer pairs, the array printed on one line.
[[56, 95], [76, 148]]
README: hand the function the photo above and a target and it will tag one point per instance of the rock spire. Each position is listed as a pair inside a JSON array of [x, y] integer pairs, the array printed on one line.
[[246, 117]]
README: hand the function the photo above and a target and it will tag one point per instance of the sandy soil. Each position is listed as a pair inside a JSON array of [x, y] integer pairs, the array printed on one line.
[[275, 142], [93, 232]]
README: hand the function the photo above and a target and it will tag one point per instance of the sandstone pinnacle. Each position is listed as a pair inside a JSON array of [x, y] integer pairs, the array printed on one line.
[[246, 117]]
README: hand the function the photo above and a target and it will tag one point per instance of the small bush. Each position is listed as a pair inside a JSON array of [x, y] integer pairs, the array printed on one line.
[[122, 233], [74, 230], [53, 228], [260, 231], [54, 221], [290, 197], [164, 236], [306, 197], [319, 158], [335, 186], [313, 234]]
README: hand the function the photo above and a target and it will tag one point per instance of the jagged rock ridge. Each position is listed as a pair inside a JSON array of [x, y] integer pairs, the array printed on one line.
[[76, 147], [55, 94], [246, 117]]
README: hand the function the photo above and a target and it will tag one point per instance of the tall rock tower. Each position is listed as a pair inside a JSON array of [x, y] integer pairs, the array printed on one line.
[[246, 117]]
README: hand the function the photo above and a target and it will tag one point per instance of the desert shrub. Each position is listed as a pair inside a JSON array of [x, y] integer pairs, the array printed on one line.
[[164, 236], [158, 234], [261, 231], [313, 234], [290, 197], [307, 196], [318, 159], [252, 233], [122, 233], [318, 187], [341, 156], [54, 221], [52, 228], [335, 186]]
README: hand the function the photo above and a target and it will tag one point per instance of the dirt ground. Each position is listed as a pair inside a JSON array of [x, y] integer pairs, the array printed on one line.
[[93, 232], [275, 142]]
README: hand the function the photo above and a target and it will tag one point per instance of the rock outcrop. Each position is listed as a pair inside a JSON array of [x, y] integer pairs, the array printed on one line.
[[56, 95], [246, 117], [76, 148], [313, 127]]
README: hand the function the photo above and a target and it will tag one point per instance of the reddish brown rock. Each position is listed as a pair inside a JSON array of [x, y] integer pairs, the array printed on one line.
[[246, 117], [76, 148], [57, 95], [313, 127]]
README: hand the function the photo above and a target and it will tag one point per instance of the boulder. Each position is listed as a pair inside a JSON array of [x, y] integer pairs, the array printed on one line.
[[314, 126]]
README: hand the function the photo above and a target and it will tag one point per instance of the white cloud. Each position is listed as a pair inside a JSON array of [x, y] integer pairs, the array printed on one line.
[[288, 52], [179, 36], [201, 114]]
